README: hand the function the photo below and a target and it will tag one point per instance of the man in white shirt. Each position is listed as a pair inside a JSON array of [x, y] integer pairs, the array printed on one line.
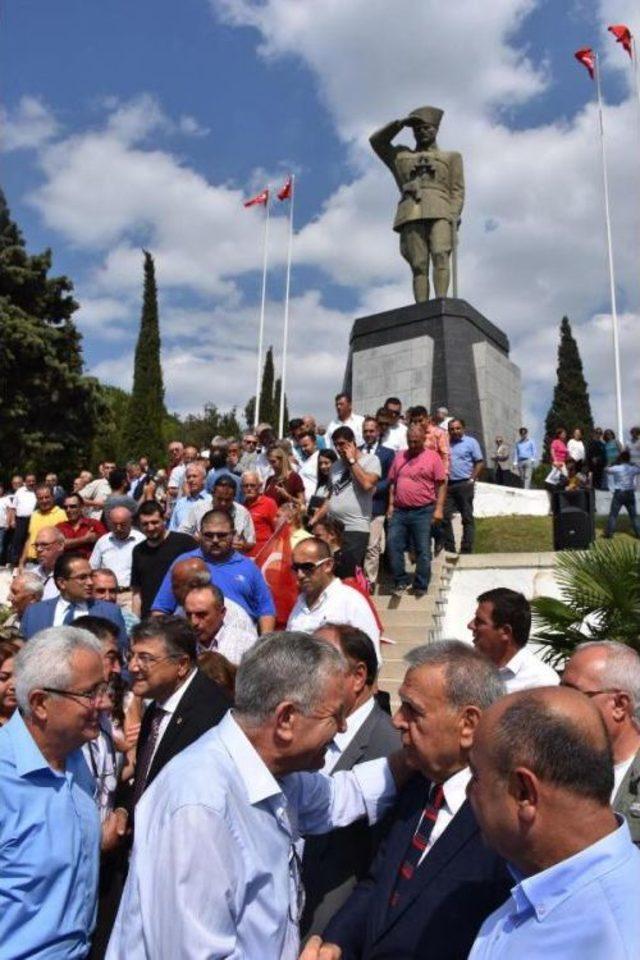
[[24, 503], [49, 545], [609, 674], [325, 599], [205, 609], [500, 629], [96, 492], [308, 469], [421, 897], [345, 418], [114, 550], [194, 479], [395, 436], [215, 870]]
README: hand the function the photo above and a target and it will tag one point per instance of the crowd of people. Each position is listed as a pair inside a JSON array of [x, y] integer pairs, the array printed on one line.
[[197, 758]]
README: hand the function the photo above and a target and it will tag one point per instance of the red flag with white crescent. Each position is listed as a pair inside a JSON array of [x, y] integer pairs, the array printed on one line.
[[623, 35], [286, 190], [259, 199], [587, 58]]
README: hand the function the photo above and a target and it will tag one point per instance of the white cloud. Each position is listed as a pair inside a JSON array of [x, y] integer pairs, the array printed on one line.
[[192, 127], [29, 126]]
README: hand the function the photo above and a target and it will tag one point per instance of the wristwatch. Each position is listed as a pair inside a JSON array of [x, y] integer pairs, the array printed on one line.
[[352, 460]]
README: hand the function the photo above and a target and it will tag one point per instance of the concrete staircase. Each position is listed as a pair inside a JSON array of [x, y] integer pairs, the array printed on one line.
[[410, 622]]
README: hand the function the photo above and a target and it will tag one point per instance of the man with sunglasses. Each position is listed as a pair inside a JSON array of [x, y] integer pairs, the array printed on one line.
[[49, 822], [80, 532], [73, 577], [324, 598]]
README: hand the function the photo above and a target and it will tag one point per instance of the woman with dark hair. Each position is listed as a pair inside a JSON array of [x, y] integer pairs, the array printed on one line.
[[8, 702], [559, 449], [326, 459], [331, 530]]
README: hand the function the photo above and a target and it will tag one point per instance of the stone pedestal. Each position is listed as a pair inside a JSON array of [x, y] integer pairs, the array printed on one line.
[[441, 353]]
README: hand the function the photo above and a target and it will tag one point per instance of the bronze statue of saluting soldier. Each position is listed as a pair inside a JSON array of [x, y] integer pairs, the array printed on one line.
[[431, 184]]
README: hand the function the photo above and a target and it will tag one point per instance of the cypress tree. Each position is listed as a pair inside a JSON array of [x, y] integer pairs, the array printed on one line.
[[276, 402], [143, 429], [49, 409], [570, 407], [266, 390]]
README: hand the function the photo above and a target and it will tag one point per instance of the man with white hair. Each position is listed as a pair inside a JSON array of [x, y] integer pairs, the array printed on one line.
[[49, 821], [609, 674], [215, 870], [194, 479], [49, 545], [24, 589]]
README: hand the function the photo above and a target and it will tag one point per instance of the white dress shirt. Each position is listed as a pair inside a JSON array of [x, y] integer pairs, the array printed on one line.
[[116, 555], [81, 610], [525, 671], [308, 473], [236, 635], [169, 707], [455, 794], [50, 589], [337, 604], [342, 740], [24, 502], [395, 437], [213, 871], [355, 422]]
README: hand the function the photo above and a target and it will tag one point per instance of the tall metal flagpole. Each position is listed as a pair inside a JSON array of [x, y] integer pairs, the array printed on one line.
[[256, 418], [285, 333], [612, 285]]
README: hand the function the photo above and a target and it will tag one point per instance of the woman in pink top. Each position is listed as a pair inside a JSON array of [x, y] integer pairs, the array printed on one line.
[[559, 449]]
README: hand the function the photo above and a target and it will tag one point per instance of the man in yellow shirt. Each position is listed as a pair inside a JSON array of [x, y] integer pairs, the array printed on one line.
[[46, 514]]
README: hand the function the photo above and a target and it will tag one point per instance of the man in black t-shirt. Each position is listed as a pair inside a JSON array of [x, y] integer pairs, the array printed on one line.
[[153, 557]]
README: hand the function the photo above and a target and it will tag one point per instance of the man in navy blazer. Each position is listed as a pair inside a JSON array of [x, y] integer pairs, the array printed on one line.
[[72, 575], [434, 880]]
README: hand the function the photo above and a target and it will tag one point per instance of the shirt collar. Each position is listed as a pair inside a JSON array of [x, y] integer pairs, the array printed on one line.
[[28, 757], [258, 780], [455, 790], [516, 663], [324, 596], [354, 722], [545, 891], [171, 704]]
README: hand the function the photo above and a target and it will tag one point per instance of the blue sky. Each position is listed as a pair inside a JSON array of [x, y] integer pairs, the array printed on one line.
[[144, 124]]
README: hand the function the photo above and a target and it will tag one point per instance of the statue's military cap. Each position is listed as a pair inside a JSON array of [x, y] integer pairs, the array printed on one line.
[[429, 115]]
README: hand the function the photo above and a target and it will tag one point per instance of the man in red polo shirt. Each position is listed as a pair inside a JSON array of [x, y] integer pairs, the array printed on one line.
[[417, 491], [79, 532], [263, 510]]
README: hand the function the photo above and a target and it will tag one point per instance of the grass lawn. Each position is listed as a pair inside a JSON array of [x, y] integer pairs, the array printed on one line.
[[526, 534]]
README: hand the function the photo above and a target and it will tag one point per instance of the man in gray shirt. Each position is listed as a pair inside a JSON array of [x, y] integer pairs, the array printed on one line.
[[353, 479]]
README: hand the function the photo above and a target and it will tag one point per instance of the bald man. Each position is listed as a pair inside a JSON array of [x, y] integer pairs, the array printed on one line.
[[542, 776]]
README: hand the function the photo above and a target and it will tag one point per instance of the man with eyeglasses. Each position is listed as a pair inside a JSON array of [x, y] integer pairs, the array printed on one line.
[[46, 514], [49, 545], [225, 489], [609, 674], [49, 822], [500, 629], [323, 597], [184, 704], [80, 532], [73, 577], [263, 510], [238, 577]]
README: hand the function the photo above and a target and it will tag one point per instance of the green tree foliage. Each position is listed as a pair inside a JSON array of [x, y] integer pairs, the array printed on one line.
[[600, 591], [269, 397], [48, 408], [143, 429], [199, 430], [570, 407]]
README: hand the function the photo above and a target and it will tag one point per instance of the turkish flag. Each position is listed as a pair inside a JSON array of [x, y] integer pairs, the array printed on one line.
[[274, 559], [286, 191], [259, 199], [587, 58], [623, 35]]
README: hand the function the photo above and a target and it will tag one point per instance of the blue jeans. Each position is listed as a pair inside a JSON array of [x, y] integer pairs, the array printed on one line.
[[623, 498], [410, 529]]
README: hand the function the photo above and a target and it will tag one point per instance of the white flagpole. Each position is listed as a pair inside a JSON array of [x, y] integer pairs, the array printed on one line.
[[612, 285], [256, 416], [285, 333], [636, 73]]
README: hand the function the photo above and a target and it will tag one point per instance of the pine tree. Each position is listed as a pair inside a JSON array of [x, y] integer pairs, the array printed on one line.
[[49, 409], [570, 407], [143, 430]]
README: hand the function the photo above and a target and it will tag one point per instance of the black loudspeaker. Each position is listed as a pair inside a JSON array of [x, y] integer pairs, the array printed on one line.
[[573, 519]]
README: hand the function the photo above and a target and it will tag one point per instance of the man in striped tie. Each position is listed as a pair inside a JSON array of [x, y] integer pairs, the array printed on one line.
[[433, 881]]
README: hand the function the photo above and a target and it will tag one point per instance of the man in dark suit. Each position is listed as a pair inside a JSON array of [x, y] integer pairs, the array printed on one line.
[[433, 880], [185, 703], [72, 575], [371, 430], [333, 862], [609, 674]]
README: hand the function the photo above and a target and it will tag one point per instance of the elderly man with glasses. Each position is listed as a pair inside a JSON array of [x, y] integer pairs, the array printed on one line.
[[49, 821], [324, 598], [49, 545], [73, 577]]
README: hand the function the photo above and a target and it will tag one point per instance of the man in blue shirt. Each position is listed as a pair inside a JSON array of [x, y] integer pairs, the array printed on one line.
[[623, 475], [49, 820], [524, 457], [194, 479], [542, 776], [238, 577], [465, 464]]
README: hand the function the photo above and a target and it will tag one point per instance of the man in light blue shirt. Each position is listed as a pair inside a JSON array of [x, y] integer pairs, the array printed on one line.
[[465, 464], [194, 479], [215, 870], [542, 776], [623, 476], [524, 457], [49, 820]]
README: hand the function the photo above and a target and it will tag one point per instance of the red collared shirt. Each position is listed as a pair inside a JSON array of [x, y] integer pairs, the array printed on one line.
[[85, 526]]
